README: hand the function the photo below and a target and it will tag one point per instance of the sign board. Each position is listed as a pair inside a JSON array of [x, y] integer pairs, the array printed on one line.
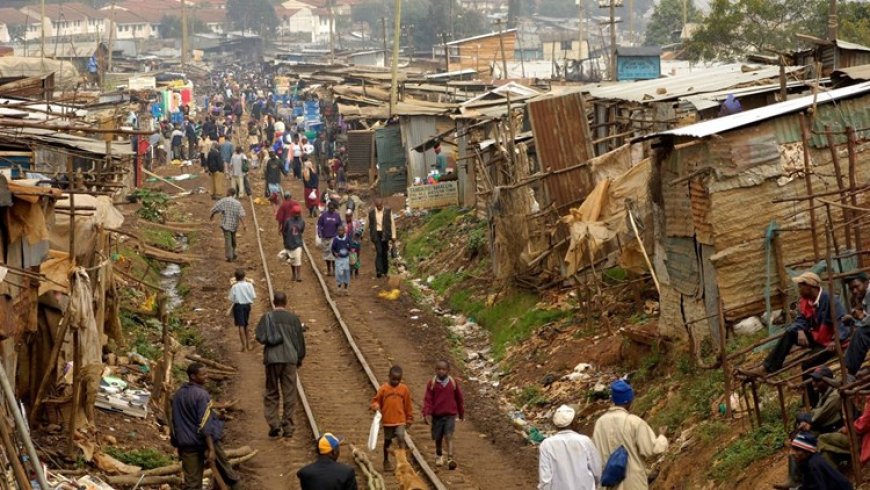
[[142, 83], [433, 196], [638, 67]]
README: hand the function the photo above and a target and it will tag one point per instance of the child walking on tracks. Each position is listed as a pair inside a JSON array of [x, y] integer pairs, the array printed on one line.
[[242, 295], [443, 402], [394, 401]]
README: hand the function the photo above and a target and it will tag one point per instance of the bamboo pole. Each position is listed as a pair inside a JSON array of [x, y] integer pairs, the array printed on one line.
[[850, 145], [809, 184]]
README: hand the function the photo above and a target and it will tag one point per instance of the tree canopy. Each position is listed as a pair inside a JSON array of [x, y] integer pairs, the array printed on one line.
[[429, 17], [734, 28], [257, 15], [667, 21], [170, 26]]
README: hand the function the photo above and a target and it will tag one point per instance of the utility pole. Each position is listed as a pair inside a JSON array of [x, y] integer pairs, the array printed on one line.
[[331, 33], [111, 38], [409, 31], [446, 52], [631, 21], [184, 34], [613, 40], [397, 36], [42, 31], [384, 33], [832, 20], [510, 112], [581, 30]]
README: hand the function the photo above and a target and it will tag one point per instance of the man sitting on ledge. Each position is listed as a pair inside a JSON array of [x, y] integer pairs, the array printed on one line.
[[812, 329]]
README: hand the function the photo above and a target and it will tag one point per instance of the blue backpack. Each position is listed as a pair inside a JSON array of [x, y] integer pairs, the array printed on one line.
[[615, 468]]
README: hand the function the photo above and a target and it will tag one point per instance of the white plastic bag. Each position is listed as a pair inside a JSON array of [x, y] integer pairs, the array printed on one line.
[[318, 242], [373, 433], [313, 194]]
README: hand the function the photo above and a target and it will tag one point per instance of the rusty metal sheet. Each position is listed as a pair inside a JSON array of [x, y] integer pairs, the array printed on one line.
[[360, 151], [700, 211], [561, 130], [681, 261], [569, 188]]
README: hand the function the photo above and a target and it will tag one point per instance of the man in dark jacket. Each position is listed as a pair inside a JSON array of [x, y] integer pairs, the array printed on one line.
[[190, 134], [327, 473], [280, 332], [382, 230], [812, 329], [196, 432], [215, 167], [816, 473]]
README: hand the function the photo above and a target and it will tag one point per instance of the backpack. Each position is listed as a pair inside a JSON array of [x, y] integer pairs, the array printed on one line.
[[616, 467]]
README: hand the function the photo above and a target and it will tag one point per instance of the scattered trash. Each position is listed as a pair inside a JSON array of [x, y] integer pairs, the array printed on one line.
[[749, 326], [535, 436], [392, 295]]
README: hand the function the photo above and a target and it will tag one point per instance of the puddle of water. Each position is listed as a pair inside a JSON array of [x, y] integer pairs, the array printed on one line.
[[169, 278]]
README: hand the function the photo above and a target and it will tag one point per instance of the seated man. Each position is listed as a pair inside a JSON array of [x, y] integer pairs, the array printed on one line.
[[824, 418], [860, 318], [812, 329], [816, 473]]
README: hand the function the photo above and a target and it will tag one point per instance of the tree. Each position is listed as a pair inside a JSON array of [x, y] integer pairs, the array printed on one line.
[[258, 15], [170, 26], [854, 18], [667, 21], [429, 17], [733, 29]]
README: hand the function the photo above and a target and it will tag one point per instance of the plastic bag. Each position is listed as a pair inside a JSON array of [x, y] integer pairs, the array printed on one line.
[[318, 242], [313, 194], [373, 432]]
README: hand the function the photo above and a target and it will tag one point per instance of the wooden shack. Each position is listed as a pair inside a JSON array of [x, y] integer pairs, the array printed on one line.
[[479, 52], [733, 216]]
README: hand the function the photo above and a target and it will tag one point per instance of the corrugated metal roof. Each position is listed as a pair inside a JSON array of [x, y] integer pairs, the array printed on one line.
[[852, 46], [734, 121], [706, 80], [713, 99], [482, 36], [861, 72]]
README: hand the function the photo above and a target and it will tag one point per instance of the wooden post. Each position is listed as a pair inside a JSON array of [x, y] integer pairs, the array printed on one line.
[[13, 456], [853, 439], [510, 114], [784, 281], [723, 358], [805, 138], [756, 402], [77, 357], [835, 158], [394, 64], [851, 142]]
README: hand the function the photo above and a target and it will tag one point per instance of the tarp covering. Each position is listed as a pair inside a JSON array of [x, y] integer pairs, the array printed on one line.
[[66, 75], [602, 217], [105, 215]]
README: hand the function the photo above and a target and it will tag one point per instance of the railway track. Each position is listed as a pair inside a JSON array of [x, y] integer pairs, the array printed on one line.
[[341, 383]]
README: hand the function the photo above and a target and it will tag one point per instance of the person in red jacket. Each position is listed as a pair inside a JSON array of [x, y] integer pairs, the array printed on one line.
[[442, 403]]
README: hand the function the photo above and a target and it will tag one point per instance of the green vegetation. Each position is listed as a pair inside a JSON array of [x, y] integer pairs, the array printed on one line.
[[159, 238], [712, 431], [153, 204], [442, 282], [422, 241], [477, 240], [509, 320], [146, 458], [748, 449], [531, 396]]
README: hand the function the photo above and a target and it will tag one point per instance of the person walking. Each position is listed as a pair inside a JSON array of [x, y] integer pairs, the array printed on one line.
[[568, 460], [285, 210], [618, 427], [382, 230], [292, 230], [242, 296], [215, 167], [327, 227], [238, 169], [326, 473], [232, 216], [341, 254], [393, 400], [272, 173], [177, 143], [442, 403], [311, 183], [280, 332], [195, 431]]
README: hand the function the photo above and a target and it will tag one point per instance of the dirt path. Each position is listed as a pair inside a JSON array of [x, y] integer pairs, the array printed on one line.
[[338, 390]]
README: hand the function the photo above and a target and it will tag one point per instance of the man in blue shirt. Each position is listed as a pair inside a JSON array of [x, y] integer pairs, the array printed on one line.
[[196, 432]]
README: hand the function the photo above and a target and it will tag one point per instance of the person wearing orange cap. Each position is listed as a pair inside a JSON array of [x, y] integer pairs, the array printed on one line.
[[326, 473], [812, 329]]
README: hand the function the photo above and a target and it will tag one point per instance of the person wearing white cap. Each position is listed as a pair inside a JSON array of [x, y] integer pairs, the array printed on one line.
[[568, 460], [812, 329]]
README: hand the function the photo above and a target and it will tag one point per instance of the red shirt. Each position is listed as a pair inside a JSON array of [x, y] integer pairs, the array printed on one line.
[[822, 334], [443, 400], [284, 212], [862, 427]]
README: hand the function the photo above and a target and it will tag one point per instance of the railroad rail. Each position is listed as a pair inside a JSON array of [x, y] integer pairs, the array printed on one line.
[[428, 472]]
